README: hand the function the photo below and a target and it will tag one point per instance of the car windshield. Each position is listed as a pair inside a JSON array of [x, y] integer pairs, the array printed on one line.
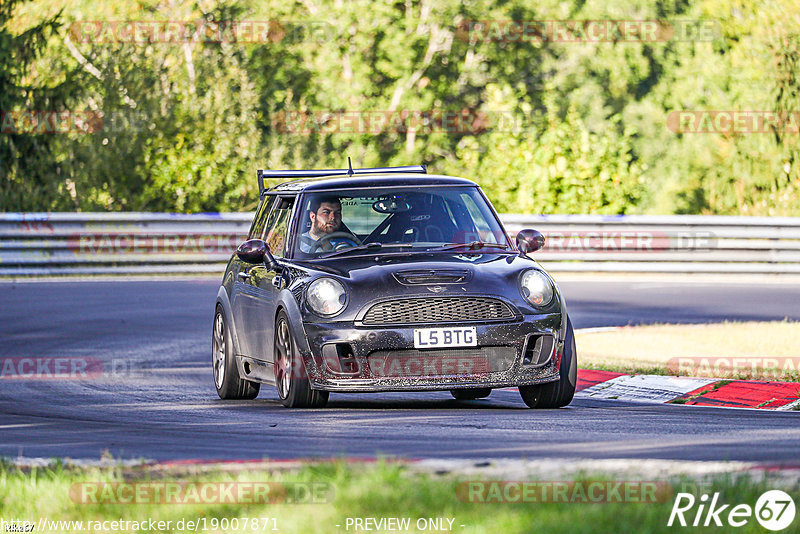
[[397, 219]]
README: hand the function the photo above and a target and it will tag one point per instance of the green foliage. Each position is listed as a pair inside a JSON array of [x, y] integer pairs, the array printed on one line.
[[181, 131], [566, 169], [583, 129], [28, 163]]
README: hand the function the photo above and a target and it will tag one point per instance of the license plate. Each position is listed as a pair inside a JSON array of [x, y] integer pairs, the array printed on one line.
[[459, 336]]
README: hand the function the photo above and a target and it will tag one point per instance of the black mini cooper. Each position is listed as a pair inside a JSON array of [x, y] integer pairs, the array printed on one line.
[[388, 279]]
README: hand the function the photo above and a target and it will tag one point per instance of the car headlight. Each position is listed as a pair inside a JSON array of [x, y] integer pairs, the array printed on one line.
[[326, 296], [536, 288]]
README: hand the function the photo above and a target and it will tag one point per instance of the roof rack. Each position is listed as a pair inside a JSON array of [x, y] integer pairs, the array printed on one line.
[[315, 173]]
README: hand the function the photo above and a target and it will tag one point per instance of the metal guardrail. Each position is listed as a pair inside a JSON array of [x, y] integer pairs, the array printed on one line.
[[674, 243], [144, 243]]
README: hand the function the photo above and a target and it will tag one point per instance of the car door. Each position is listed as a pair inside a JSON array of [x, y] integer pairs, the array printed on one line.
[[241, 296], [260, 284]]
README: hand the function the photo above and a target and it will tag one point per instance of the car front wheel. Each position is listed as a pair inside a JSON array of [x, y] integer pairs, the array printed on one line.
[[559, 393], [291, 379], [226, 376]]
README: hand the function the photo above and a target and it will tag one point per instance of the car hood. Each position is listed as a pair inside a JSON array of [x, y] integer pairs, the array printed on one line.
[[383, 267], [377, 277]]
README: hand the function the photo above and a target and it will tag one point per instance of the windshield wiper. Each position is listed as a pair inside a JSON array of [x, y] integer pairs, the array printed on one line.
[[474, 245], [366, 246]]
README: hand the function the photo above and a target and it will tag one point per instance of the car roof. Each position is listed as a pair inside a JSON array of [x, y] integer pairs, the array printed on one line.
[[368, 181]]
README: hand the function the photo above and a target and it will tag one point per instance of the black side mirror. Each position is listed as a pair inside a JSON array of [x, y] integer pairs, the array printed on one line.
[[529, 241], [255, 251]]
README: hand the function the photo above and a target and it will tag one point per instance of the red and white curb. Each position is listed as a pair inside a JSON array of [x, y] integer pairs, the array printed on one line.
[[689, 390]]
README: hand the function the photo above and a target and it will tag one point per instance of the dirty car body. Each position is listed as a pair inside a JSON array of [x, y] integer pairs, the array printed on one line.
[[413, 285]]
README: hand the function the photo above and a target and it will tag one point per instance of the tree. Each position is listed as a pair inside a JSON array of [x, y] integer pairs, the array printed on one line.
[[31, 174]]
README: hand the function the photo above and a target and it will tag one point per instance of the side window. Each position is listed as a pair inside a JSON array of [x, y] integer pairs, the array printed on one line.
[[278, 226], [479, 220], [260, 219]]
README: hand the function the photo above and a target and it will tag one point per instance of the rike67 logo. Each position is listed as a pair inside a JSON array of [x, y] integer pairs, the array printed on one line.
[[774, 510]]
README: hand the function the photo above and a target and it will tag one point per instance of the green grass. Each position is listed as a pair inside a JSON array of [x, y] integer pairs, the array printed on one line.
[[629, 368], [357, 490]]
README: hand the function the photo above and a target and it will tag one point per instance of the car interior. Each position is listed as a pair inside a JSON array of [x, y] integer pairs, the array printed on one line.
[[417, 217]]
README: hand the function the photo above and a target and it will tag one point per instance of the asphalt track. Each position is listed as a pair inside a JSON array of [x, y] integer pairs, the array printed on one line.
[[156, 399]]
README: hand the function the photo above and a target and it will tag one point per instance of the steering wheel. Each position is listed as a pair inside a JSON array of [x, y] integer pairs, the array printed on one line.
[[325, 241]]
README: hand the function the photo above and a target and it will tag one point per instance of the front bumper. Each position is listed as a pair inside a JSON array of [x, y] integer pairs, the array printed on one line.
[[347, 357]]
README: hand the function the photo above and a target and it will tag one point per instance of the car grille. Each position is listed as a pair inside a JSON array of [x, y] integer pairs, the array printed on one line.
[[442, 362], [437, 310]]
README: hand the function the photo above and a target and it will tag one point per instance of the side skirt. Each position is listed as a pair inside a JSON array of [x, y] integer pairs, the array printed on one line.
[[255, 370]]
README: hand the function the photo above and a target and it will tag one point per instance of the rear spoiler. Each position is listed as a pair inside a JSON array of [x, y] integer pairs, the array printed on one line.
[[315, 173]]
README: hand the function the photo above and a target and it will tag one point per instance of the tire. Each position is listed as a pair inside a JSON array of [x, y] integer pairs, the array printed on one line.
[[559, 393], [470, 394], [226, 375], [291, 379]]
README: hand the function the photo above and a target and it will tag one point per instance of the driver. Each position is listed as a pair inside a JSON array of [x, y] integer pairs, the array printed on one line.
[[326, 220]]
